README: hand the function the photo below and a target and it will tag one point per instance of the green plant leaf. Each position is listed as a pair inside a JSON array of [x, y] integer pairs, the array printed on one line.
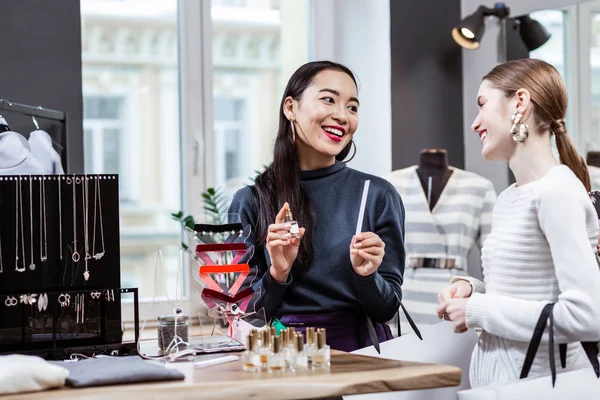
[[189, 222]]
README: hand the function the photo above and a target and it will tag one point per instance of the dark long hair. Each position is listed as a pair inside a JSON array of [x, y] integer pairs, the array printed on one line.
[[280, 182]]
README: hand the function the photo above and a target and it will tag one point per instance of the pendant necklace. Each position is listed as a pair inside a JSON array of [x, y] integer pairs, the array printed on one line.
[[98, 199], [75, 257], [20, 211], [84, 198], [32, 265], [43, 230]]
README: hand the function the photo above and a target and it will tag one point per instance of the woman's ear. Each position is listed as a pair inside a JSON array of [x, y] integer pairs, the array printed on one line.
[[523, 98], [289, 108]]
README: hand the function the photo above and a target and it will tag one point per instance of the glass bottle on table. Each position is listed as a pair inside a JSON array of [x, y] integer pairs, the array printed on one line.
[[289, 351], [300, 359], [276, 360], [310, 347], [265, 351], [322, 358], [250, 358]]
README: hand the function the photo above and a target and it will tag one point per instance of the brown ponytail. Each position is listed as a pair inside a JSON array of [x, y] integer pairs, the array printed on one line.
[[568, 154], [549, 97]]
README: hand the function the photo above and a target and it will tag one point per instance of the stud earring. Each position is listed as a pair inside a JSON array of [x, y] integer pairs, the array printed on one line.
[[519, 130]]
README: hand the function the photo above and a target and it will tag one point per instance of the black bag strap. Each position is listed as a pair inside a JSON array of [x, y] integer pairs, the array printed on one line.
[[590, 348], [534, 344]]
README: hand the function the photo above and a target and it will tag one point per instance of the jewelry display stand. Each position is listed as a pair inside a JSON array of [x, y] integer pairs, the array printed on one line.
[[59, 262], [224, 273]]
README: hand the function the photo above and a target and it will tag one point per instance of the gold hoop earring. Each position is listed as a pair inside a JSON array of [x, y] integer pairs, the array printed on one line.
[[519, 130], [353, 154], [293, 131]]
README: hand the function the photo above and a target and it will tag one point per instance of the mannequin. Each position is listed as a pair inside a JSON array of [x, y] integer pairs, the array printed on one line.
[[3, 125], [16, 157], [442, 226], [593, 158], [433, 173]]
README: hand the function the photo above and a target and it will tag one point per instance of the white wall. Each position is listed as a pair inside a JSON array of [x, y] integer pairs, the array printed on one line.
[[356, 33], [478, 63]]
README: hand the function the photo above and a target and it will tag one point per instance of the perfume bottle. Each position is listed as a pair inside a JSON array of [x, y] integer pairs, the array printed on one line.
[[295, 229], [289, 351], [276, 360], [250, 358], [265, 351], [301, 359], [256, 334], [322, 357], [310, 347]]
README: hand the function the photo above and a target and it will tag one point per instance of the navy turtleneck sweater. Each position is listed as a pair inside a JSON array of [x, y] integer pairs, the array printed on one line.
[[329, 283]]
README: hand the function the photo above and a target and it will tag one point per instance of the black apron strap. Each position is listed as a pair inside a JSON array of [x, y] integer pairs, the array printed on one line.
[[373, 334], [536, 338], [591, 350], [410, 321], [562, 348], [551, 346]]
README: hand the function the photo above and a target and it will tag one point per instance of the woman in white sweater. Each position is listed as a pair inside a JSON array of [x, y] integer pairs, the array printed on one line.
[[544, 231]]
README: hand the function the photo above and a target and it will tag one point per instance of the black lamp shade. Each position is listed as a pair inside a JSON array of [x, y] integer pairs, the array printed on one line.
[[533, 33], [470, 30]]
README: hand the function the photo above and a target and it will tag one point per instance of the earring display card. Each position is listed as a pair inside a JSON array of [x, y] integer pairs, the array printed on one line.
[[59, 252]]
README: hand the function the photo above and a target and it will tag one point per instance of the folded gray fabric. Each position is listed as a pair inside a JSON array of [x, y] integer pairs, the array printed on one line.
[[106, 371]]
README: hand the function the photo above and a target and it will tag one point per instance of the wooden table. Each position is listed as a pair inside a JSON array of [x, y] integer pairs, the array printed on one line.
[[349, 374]]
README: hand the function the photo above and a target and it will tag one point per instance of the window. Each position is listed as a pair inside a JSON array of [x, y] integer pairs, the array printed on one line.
[[228, 126], [594, 65], [103, 131], [553, 51], [131, 124], [256, 46]]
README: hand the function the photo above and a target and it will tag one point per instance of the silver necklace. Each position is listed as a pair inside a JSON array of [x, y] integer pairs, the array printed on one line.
[[60, 218], [43, 230], [20, 211], [75, 257], [84, 198], [98, 199], [32, 265]]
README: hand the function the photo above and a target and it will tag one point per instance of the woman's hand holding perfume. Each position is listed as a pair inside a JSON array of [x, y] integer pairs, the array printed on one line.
[[282, 247], [366, 253]]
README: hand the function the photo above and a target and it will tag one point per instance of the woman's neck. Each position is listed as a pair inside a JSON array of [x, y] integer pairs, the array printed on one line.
[[532, 159], [310, 159]]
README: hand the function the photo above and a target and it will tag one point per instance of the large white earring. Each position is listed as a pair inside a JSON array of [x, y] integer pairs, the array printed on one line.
[[519, 130]]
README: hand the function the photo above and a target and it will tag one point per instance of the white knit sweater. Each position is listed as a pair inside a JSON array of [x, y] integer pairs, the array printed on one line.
[[540, 250]]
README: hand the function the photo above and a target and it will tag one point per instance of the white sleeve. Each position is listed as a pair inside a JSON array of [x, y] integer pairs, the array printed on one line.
[[564, 218]]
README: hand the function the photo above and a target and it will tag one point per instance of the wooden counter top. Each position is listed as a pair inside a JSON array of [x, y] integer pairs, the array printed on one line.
[[349, 374]]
